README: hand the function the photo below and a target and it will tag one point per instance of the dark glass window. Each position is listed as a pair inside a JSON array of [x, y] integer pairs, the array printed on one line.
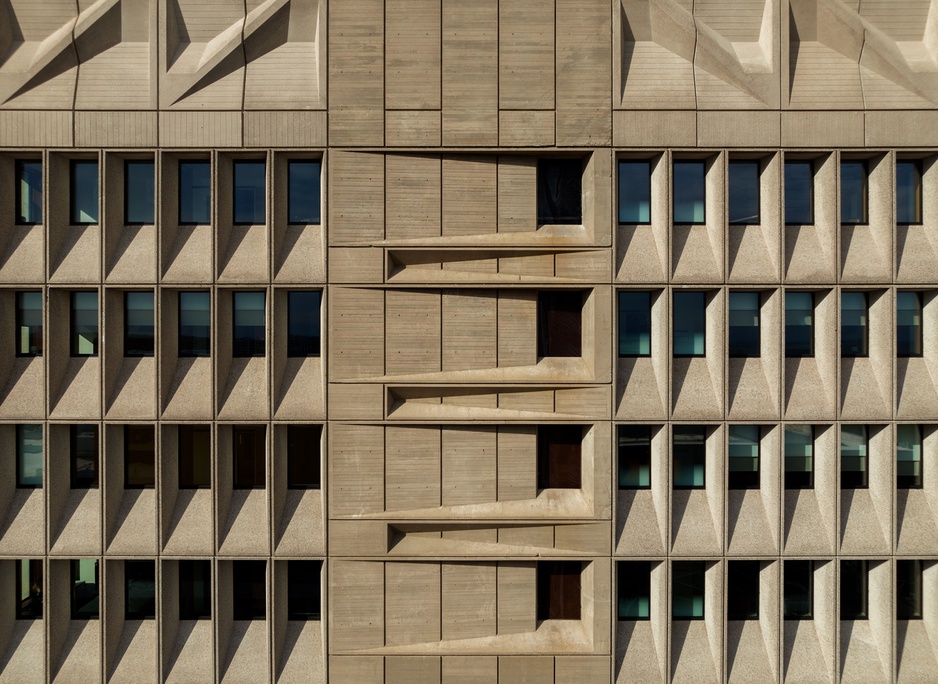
[[84, 323], [744, 192], [138, 323], [690, 195], [250, 192], [28, 456], [139, 456], [559, 323], [29, 589], [304, 191], [799, 193], [85, 602], [634, 456], [84, 186], [909, 192], [195, 590], [249, 461], [249, 589], [139, 191], [139, 590], [303, 456], [195, 457], [304, 590], [195, 180], [689, 456], [559, 191], [690, 323], [745, 338], [28, 192], [908, 456], [853, 589], [558, 590], [799, 324], [744, 457], [853, 192], [84, 451], [854, 473], [634, 323], [303, 323], [195, 321], [634, 588], [558, 456], [908, 589], [742, 595], [635, 191], [687, 589], [908, 324], [799, 457], [29, 323], [798, 589], [854, 330], [249, 324]]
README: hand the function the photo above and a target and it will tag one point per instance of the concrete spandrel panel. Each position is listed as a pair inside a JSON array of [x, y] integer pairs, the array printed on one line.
[[695, 529], [245, 390], [246, 529], [917, 519], [134, 530], [24, 649], [22, 254], [861, 660], [753, 388], [20, 521], [133, 395], [806, 655], [468, 607], [639, 655], [862, 529], [748, 658], [416, 669], [641, 526], [188, 393], [241, 254], [752, 519], [189, 525], [298, 393], [692, 653], [412, 68], [305, 659], [130, 254], [75, 254], [23, 394], [186, 254], [79, 659], [247, 659], [916, 655], [301, 525], [298, 255], [696, 391], [809, 391], [865, 389], [189, 657], [470, 669], [78, 531], [357, 605], [807, 530]]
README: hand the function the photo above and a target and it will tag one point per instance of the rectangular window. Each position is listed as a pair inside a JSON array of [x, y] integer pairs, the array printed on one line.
[[799, 325], [84, 323], [195, 590], [909, 456], [195, 181], [798, 589], [28, 192], [139, 191], [249, 589], [853, 457], [687, 589], [799, 193], [29, 323], [854, 592], [250, 192], [195, 457], [742, 595], [690, 323], [303, 326], [249, 325], [799, 457], [85, 603], [909, 192], [634, 323], [908, 324], [853, 192], [304, 191], [635, 191], [559, 323], [908, 589], [558, 456], [84, 452], [304, 590], [689, 456], [559, 191], [139, 456], [744, 192], [139, 590], [558, 590], [634, 589], [634, 456], [744, 457], [745, 339], [690, 196], [854, 330], [138, 324], [29, 456], [195, 324], [249, 456], [304, 448], [84, 187], [29, 589]]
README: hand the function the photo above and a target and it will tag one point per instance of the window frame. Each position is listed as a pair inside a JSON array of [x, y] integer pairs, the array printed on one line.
[[865, 213], [290, 220], [74, 482], [619, 164], [138, 162], [619, 320], [702, 163], [757, 163], [919, 194], [18, 322], [812, 167], [19, 167], [73, 210]]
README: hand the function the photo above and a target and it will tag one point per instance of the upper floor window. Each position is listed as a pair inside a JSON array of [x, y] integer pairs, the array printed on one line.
[[304, 590], [854, 330], [688, 579], [689, 456], [29, 456], [799, 457], [195, 590], [744, 339], [559, 323], [908, 324], [138, 323], [854, 589], [304, 190], [249, 589], [909, 192], [908, 589], [29, 323], [195, 182], [634, 590], [250, 328], [139, 456], [558, 590], [634, 323], [139, 191], [690, 323], [799, 324], [634, 456], [559, 191], [635, 191], [799, 192], [558, 456], [194, 324], [690, 196], [303, 323], [304, 453], [28, 192], [744, 192], [84, 187], [908, 456], [853, 192], [249, 456], [84, 456], [85, 589], [854, 444], [798, 589], [139, 590], [250, 192], [742, 596], [195, 456], [744, 457], [84, 323], [29, 589]]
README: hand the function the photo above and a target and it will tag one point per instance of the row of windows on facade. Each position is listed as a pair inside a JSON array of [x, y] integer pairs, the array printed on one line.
[[194, 191], [248, 593], [248, 333]]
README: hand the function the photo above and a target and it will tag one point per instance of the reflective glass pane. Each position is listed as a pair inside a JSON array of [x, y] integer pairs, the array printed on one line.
[[29, 455], [798, 589], [195, 192], [689, 456], [559, 191], [908, 192], [84, 456], [139, 456], [139, 191], [303, 456], [305, 188], [84, 320], [250, 192], [799, 192], [138, 324], [743, 456], [908, 324], [908, 589], [634, 456], [908, 456], [139, 590], [84, 192], [634, 192], [853, 457], [744, 192], [195, 456], [687, 596], [745, 339], [634, 323], [249, 324], [634, 588], [854, 335], [304, 590], [853, 192], [690, 320], [29, 589], [854, 591], [28, 192], [249, 457], [689, 192], [303, 323], [799, 457], [742, 596], [249, 589], [799, 324], [29, 323], [195, 590], [85, 603], [194, 324]]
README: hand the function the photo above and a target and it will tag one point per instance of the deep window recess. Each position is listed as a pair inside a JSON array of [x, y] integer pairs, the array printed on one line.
[[304, 590], [744, 192], [83, 441], [84, 323], [29, 323], [634, 323], [195, 590], [745, 338], [690, 196], [688, 579], [559, 191], [29, 589], [249, 461], [799, 457], [249, 325], [634, 588], [195, 457], [84, 196], [28, 192], [690, 323], [558, 456], [689, 456], [195, 179], [559, 323], [908, 324], [29, 456], [854, 589], [249, 589], [139, 191], [798, 589], [195, 319], [909, 192], [634, 456], [304, 191], [908, 456], [744, 457], [742, 595], [139, 456], [138, 323], [854, 444], [799, 193], [85, 596], [799, 324], [303, 323], [854, 325], [908, 589], [558, 590], [250, 192], [303, 456], [635, 191], [139, 590], [853, 192]]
